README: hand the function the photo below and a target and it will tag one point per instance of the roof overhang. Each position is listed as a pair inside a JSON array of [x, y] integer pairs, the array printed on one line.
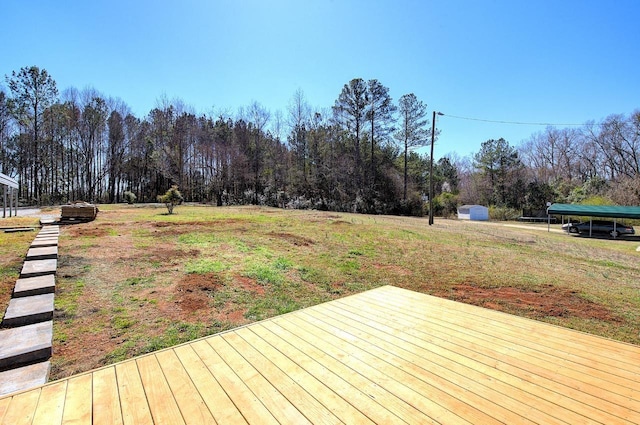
[[608, 211], [8, 181]]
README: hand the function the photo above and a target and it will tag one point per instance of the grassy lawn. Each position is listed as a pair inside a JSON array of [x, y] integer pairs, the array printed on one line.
[[13, 249], [137, 280]]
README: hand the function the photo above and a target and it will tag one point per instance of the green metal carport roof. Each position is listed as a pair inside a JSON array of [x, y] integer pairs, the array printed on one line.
[[609, 211]]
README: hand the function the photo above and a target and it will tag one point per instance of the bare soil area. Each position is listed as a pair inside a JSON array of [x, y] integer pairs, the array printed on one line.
[[123, 297], [545, 301]]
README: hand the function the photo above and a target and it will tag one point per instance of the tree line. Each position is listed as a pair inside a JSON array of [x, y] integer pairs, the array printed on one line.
[[357, 155]]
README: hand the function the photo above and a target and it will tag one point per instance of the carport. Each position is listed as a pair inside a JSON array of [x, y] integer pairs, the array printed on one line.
[[10, 191], [607, 211]]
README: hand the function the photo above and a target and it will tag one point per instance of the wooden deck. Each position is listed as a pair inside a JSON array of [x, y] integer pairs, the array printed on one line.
[[385, 356]]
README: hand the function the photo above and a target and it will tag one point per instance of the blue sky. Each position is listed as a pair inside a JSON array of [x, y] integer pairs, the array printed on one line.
[[544, 61]]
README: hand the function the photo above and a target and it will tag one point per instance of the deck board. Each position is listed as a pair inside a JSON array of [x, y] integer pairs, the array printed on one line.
[[106, 402], [294, 393], [384, 356], [342, 410], [271, 397], [162, 403], [192, 407], [251, 408], [133, 400], [78, 400], [22, 408], [219, 404], [51, 404]]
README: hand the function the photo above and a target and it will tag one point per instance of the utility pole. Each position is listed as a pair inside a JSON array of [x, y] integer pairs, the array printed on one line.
[[433, 136]]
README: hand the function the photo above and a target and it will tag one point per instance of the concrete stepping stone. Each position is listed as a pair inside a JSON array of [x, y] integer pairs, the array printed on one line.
[[51, 236], [44, 242], [24, 377], [37, 285], [28, 310], [43, 253], [32, 268], [45, 232], [19, 229], [25, 345]]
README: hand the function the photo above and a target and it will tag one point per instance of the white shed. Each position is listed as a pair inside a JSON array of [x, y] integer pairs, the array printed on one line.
[[473, 212]]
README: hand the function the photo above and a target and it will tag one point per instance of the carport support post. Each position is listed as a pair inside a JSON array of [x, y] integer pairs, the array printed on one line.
[[548, 217]]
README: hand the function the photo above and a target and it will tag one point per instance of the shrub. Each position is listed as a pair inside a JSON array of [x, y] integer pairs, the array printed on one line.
[[130, 197], [503, 213], [447, 204], [171, 198]]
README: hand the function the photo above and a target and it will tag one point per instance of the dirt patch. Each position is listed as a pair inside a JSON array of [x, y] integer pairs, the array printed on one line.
[[249, 284], [94, 231], [547, 301], [294, 239], [193, 292], [167, 255]]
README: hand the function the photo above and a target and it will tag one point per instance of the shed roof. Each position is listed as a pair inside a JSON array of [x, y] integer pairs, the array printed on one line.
[[465, 209], [8, 181], [609, 211]]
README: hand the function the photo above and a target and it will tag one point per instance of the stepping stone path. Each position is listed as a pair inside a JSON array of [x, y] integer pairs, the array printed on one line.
[[26, 333]]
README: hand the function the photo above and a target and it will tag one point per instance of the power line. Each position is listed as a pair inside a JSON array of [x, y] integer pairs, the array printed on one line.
[[547, 124]]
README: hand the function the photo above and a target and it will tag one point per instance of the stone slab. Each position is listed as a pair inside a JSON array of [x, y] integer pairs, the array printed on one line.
[[46, 238], [44, 242], [42, 234], [43, 253], [28, 310], [50, 229], [24, 378], [19, 229], [25, 345], [37, 285], [32, 268]]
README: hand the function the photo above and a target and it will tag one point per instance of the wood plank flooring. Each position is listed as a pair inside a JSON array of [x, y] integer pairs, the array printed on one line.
[[384, 356]]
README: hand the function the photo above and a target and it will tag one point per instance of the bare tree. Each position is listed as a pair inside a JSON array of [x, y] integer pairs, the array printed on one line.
[[299, 121], [5, 134], [259, 117]]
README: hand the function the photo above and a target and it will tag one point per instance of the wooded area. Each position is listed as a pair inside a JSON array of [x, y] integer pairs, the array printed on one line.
[[357, 155]]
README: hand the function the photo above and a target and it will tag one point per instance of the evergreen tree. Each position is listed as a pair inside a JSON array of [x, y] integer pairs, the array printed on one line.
[[497, 162], [379, 114], [413, 128], [350, 113], [33, 91]]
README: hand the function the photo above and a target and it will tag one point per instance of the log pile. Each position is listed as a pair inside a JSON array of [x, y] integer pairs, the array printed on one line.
[[79, 211]]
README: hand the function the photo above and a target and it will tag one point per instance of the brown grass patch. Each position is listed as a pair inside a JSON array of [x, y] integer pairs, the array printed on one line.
[[293, 239], [93, 231], [545, 301]]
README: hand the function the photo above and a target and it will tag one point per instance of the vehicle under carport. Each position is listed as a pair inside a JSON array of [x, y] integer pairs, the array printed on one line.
[[607, 211]]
